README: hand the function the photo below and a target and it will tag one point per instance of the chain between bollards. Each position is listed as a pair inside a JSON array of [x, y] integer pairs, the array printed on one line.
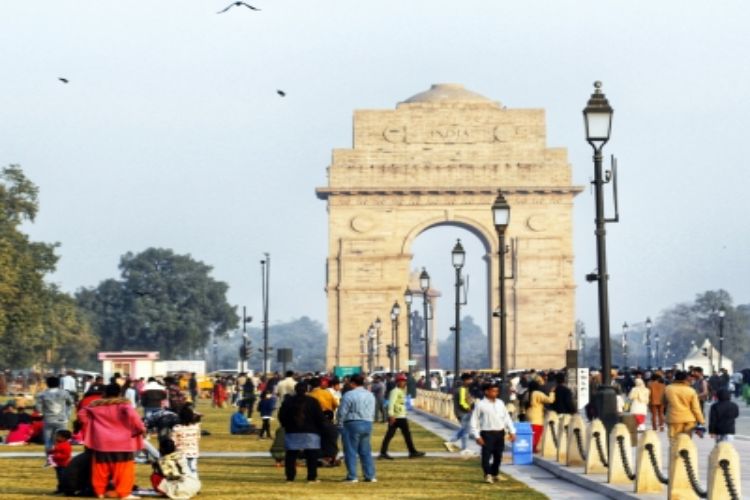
[[579, 442], [599, 449], [731, 488], [685, 455], [554, 433], [652, 458], [624, 457]]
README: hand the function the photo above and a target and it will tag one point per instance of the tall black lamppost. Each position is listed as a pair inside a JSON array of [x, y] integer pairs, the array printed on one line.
[[408, 298], [458, 257], [657, 360], [395, 312], [722, 312], [371, 339], [649, 324], [501, 218], [245, 348], [668, 353], [598, 121], [625, 345], [424, 285], [265, 269], [377, 324]]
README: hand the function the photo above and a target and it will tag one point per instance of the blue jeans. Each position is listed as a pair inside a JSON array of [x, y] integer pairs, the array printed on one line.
[[463, 432], [356, 436], [50, 428]]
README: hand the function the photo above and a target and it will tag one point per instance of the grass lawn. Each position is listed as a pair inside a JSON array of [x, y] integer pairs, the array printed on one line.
[[235, 478], [259, 478]]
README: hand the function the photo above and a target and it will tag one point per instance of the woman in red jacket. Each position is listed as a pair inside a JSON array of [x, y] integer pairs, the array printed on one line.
[[113, 432]]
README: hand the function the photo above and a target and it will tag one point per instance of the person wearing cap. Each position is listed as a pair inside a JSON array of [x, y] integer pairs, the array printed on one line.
[[397, 420], [490, 421]]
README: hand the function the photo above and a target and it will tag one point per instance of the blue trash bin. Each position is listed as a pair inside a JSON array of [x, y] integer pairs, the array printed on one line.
[[523, 451]]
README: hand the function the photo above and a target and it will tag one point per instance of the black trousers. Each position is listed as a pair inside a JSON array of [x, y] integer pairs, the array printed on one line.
[[290, 463], [399, 423], [266, 429], [494, 445]]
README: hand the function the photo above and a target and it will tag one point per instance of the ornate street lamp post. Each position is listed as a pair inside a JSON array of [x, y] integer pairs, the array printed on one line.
[[657, 360], [722, 312], [501, 218], [424, 285], [371, 339], [598, 121], [395, 311], [377, 324], [458, 258], [625, 346], [649, 324], [408, 298]]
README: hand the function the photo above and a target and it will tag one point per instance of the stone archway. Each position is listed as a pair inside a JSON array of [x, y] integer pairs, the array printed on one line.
[[439, 158]]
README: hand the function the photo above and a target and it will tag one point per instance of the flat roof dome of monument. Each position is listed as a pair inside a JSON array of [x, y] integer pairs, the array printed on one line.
[[448, 93]]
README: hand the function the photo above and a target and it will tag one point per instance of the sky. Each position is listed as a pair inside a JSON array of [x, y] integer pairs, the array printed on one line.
[[170, 132]]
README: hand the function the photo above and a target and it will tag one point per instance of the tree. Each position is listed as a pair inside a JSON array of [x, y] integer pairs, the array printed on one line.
[[473, 347], [24, 295], [163, 301]]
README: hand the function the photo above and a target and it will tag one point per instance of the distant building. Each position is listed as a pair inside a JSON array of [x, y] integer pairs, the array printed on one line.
[[133, 364], [707, 357]]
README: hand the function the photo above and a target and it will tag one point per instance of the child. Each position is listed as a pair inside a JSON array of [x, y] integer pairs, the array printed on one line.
[[187, 435], [171, 476], [265, 408], [722, 416], [60, 455]]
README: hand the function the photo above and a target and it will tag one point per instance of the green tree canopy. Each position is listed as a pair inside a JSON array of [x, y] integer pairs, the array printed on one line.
[[163, 301], [473, 347], [25, 299]]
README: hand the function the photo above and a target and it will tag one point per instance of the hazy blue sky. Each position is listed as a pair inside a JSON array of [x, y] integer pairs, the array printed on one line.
[[170, 132]]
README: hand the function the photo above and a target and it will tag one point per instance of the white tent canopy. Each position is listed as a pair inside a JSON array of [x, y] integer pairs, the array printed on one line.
[[710, 361]]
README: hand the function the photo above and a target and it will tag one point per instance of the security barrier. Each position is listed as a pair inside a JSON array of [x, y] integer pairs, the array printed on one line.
[[549, 436], [562, 438], [724, 473], [649, 476], [683, 470], [576, 454], [620, 451], [596, 454], [436, 403]]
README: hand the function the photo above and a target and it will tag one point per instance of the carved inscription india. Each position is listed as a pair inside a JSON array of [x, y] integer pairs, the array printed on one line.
[[453, 134]]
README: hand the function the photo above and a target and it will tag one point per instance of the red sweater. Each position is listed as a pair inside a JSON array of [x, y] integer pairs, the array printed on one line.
[[61, 453], [111, 425]]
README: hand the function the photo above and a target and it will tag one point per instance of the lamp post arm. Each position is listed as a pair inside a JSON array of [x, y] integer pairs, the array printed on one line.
[[612, 175]]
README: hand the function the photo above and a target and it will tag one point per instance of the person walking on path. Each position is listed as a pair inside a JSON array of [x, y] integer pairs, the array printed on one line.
[[193, 388], [303, 422], [462, 403], [356, 413], [656, 401], [397, 420], [265, 408], [113, 432], [683, 406], [489, 423], [535, 411], [639, 397], [378, 390], [722, 416], [55, 405]]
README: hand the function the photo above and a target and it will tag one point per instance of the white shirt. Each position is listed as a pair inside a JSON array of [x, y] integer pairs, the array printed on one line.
[[490, 416], [68, 383]]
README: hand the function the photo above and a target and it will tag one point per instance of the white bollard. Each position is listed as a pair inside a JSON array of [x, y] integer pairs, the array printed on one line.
[[723, 472], [620, 469], [562, 438], [649, 451], [680, 486], [576, 442], [596, 456]]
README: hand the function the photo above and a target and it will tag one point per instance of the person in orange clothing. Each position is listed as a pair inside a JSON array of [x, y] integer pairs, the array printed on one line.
[[112, 431]]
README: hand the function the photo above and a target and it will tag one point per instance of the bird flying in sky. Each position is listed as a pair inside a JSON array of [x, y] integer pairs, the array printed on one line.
[[281, 93], [64, 80], [237, 4]]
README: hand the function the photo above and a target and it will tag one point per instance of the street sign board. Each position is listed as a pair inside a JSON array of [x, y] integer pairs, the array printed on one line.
[[344, 371]]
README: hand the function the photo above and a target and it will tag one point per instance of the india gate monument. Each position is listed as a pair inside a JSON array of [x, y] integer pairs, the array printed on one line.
[[439, 158]]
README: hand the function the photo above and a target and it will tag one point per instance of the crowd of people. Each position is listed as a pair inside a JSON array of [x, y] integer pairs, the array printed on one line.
[[317, 412]]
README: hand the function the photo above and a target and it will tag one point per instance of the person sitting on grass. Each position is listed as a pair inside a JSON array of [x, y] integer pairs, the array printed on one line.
[[172, 477], [187, 436], [239, 424]]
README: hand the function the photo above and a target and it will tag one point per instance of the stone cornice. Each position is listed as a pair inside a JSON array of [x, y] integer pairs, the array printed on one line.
[[323, 193]]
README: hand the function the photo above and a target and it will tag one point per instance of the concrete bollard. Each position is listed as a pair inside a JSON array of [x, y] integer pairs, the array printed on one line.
[[647, 474], [680, 486], [549, 436], [576, 453], [620, 469], [596, 456], [724, 473], [562, 438]]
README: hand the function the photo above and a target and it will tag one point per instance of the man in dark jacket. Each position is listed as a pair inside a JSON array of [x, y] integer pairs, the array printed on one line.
[[722, 416], [563, 397]]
